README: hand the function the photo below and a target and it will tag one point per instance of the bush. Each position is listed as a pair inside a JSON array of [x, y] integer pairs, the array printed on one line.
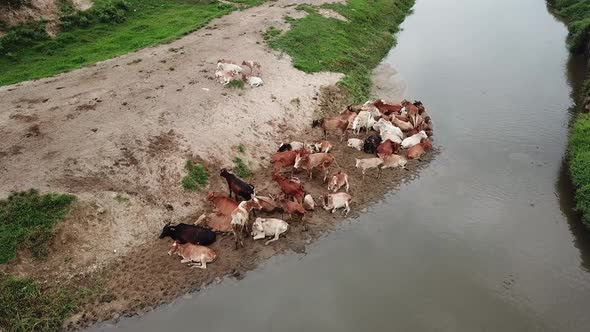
[[196, 178], [25, 306], [109, 12], [26, 220], [23, 35]]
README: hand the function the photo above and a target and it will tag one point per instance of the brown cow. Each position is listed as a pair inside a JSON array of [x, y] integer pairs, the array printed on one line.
[[416, 151], [310, 161], [290, 187], [387, 148], [332, 124]]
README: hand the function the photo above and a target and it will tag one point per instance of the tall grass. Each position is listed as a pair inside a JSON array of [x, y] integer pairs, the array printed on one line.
[[26, 306], [317, 43]]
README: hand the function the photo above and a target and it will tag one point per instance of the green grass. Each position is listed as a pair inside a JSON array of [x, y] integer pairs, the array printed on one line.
[[147, 22], [25, 306], [241, 169], [579, 164], [26, 220], [196, 178], [241, 148], [271, 33], [577, 14], [317, 43], [235, 84]]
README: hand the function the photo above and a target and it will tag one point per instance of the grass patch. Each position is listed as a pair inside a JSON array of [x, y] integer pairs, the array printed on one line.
[[271, 33], [241, 148], [579, 164], [26, 220], [196, 178], [317, 43], [110, 29], [25, 306], [249, 3], [235, 84], [121, 199], [241, 169]]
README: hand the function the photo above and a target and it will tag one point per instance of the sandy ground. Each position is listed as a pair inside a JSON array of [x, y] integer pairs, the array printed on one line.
[[117, 134]]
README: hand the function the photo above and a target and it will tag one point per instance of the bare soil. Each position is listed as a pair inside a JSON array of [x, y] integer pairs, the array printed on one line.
[[117, 134]]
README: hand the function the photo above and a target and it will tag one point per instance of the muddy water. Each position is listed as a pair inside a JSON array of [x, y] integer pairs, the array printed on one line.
[[484, 240]]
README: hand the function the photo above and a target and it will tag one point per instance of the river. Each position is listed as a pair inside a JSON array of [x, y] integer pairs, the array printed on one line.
[[484, 240]]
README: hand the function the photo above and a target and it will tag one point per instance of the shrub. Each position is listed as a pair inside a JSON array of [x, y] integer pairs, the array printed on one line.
[[196, 178], [23, 35], [235, 84]]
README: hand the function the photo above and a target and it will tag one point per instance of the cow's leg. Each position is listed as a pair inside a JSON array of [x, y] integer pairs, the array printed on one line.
[[203, 262], [310, 173], [229, 188], [241, 233], [274, 238], [346, 209], [233, 230], [347, 186], [333, 210], [184, 260]]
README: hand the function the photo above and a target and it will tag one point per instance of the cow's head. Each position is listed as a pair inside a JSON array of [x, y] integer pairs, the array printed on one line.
[[167, 231], [173, 248], [298, 160], [317, 123], [257, 229]]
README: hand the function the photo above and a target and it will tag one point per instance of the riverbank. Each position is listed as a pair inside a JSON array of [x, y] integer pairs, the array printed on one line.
[[117, 135], [577, 15]]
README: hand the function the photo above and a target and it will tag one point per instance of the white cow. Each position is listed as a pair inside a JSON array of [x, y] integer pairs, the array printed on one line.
[[355, 143], [408, 142], [368, 163], [255, 81], [264, 227], [363, 120], [337, 201], [229, 67]]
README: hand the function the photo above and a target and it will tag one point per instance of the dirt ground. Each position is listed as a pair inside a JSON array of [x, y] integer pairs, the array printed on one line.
[[117, 135]]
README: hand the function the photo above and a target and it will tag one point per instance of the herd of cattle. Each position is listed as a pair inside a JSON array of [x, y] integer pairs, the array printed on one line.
[[228, 70], [402, 132]]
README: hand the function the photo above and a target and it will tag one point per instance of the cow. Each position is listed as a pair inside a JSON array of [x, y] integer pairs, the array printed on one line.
[[387, 109], [252, 65], [322, 146], [240, 216], [237, 186], [308, 203], [418, 150], [403, 125], [283, 159], [332, 124], [290, 187], [337, 201], [184, 233], [337, 181], [349, 116], [229, 67], [408, 142], [268, 204], [371, 143], [264, 227], [387, 148], [290, 207], [363, 120], [221, 204], [394, 160], [355, 143], [310, 161], [368, 163], [194, 255], [225, 77], [253, 81]]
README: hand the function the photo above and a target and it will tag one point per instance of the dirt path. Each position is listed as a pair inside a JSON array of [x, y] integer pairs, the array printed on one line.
[[117, 135]]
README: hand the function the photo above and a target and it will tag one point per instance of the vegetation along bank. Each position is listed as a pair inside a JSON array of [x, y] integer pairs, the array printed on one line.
[[577, 15]]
